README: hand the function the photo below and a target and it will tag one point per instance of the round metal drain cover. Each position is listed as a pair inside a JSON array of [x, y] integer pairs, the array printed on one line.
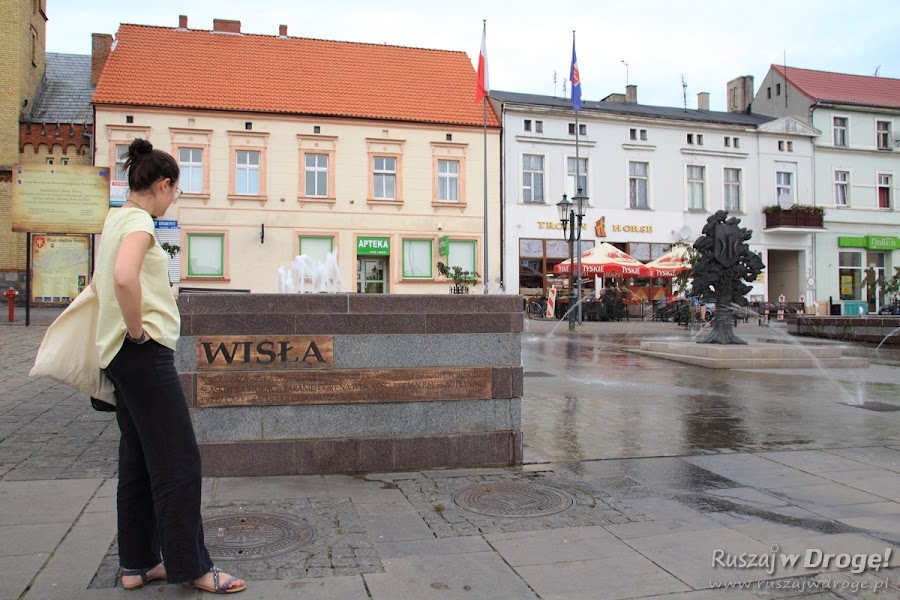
[[253, 536], [512, 500]]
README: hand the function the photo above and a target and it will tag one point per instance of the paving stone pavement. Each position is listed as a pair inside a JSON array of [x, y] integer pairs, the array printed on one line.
[[644, 524]]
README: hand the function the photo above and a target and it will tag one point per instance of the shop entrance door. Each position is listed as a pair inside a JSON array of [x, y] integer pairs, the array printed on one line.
[[371, 275]]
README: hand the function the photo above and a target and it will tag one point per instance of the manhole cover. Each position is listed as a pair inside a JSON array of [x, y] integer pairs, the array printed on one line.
[[254, 536], [876, 406], [512, 500]]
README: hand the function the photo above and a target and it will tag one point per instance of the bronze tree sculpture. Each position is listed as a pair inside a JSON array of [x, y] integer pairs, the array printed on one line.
[[724, 264]]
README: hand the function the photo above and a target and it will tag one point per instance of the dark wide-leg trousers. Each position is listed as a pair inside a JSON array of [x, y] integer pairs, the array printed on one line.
[[159, 465]]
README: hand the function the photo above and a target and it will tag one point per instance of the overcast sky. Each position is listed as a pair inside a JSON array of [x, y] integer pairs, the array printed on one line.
[[529, 42]]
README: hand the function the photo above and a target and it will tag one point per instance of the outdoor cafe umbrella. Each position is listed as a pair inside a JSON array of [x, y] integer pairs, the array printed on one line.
[[605, 260], [670, 264]]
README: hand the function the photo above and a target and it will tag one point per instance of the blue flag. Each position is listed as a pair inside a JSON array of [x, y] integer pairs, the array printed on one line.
[[575, 78]]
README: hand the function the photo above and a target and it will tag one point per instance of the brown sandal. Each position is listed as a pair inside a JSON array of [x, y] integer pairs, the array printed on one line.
[[143, 574]]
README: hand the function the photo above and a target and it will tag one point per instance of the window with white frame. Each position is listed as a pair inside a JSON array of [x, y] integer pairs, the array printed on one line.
[[732, 189], [448, 180], [850, 275], [638, 180], [385, 178], [121, 157], [696, 187], [527, 124], [246, 178], [576, 169], [462, 254], [883, 135], [190, 161], [417, 259], [784, 188], [539, 127], [317, 247], [533, 178], [205, 255], [841, 188], [316, 176], [884, 190], [839, 127]]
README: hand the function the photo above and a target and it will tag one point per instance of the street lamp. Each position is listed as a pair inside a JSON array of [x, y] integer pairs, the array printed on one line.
[[570, 215]]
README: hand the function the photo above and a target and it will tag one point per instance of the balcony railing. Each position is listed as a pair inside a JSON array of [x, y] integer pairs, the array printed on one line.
[[806, 217]]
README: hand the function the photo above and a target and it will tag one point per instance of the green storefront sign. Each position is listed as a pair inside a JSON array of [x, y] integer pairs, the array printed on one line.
[[373, 246], [870, 242]]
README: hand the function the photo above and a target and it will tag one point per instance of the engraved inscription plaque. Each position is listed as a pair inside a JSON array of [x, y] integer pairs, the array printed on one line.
[[342, 386], [258, 352]]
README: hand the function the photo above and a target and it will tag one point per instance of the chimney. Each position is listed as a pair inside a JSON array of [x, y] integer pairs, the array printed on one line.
[[282, 31], [226, 26], [101, 45], [740, 94], [631, 94], [182, 21], [703, 101]]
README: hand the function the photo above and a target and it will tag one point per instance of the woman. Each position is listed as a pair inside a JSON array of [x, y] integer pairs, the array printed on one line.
[[159, 461]]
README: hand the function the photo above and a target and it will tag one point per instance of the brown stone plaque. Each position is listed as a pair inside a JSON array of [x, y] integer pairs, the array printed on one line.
[[255, 352], [348, 386]]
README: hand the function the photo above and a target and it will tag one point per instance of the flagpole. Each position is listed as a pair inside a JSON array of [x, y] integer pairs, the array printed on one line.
[[484, 117], [578, 192]]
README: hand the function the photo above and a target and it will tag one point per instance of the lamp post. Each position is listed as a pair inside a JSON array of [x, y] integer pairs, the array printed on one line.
[[570, 215]]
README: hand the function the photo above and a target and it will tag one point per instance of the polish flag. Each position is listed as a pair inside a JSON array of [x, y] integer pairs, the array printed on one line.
[[483, 85]]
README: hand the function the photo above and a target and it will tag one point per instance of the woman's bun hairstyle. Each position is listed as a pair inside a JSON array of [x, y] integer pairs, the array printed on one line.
[[146, 166]]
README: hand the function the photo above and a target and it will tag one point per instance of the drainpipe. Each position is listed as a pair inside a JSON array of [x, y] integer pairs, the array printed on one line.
[[813, 251], [502, 196]]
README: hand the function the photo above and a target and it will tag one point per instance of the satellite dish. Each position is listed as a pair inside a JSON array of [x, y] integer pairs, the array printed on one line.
[[685, 232], [785, 201]]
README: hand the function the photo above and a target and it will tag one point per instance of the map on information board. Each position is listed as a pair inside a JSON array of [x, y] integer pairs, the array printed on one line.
[[60, 267]]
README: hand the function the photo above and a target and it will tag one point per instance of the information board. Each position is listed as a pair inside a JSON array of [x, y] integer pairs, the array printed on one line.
[[59, 199]]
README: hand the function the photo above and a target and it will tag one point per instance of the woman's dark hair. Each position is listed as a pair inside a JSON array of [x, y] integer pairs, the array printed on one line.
[[146, 166]]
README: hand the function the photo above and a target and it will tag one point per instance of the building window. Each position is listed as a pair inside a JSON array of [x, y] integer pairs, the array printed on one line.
[[64, 161], [840, 131], [385, 178], [699, 139], [777, 89], [190, 161], [727, 142], [638, 179], [784, 188], [532, 178], [316, 175], [417, 259], [884, 190], [696, 182], [769, 93], [448, 181], [527, 124], [733, 190], [539, 127], [582, 129], [781, 145], [121, 157], [577, 168], [315, 247], [49, 160], [644, 135], [462, 254], [883, 132], [632, 133], [246, 175], [850, 275], [790, 146], [841, 188], [571, 128], [737, 142], [206, 255], [690, 138]]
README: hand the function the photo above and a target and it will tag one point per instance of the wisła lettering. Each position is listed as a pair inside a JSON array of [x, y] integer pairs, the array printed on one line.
[[262, 352]]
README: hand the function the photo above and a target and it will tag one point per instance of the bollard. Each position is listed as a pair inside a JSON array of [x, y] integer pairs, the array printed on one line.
[[11, 298]]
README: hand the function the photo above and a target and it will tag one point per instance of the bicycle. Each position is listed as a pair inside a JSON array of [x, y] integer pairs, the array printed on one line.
[[536, 309]]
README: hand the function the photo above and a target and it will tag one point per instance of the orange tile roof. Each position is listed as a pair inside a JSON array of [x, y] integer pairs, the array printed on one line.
[[159, 66], [843, 88]]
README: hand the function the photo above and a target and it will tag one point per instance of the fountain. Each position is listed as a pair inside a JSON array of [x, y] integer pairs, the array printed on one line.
[[308, 276]]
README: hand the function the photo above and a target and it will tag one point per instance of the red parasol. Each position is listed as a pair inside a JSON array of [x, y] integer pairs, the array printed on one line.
[[606, 260], [669, 264]]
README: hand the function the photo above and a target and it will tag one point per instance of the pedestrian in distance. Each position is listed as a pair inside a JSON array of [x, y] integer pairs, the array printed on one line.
[[158, 498]]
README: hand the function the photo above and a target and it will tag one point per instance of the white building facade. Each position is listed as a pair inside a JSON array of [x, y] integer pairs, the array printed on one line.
[[653, 175], [856, 168]]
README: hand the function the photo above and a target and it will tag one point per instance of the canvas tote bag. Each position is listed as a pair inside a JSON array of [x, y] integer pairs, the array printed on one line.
[[68, 353]]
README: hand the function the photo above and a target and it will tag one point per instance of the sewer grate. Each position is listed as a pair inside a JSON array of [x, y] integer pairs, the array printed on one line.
[[537, 374], [251, 536], [876, 406], [512, 500]]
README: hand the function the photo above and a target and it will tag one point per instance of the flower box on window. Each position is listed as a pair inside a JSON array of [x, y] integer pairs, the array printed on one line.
[[799, 215]]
